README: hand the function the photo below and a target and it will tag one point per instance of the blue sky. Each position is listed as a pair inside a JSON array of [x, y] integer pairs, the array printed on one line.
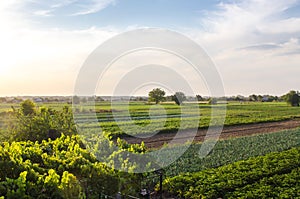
[[255, 44], [120, 13], [74, 14]]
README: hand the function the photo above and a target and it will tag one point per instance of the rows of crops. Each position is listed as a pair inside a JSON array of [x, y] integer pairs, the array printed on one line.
[[252, 178], [170, 117], [230, 150]]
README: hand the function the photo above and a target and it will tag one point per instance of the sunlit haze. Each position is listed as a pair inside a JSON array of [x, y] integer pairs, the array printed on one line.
[[253, 43]]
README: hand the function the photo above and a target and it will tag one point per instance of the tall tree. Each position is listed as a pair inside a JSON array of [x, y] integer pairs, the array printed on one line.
[[156, 95]]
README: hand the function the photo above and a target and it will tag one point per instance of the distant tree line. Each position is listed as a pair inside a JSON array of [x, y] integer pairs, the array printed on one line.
[[157, 95]]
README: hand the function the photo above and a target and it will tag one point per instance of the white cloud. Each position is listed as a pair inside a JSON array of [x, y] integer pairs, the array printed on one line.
[[94, 6], [285, 26], [247, 22], [44, 13], [253, 45], [62, 3], [77, 7]]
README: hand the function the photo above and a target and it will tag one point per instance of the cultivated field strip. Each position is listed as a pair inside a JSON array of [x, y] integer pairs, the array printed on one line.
[[159, 140]]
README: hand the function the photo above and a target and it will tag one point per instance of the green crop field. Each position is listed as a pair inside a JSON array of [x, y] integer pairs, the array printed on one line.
[[63, 168], [170, 117], [230, 150], [275, 175]]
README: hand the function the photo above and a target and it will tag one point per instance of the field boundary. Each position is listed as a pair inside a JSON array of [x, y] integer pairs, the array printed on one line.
[[160, 139]]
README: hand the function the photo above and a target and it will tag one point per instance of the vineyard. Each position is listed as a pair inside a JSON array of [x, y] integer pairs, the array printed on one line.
[[59, 169], [55, 169]]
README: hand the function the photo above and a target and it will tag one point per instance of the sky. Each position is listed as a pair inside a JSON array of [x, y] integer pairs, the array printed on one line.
[[254, 44]]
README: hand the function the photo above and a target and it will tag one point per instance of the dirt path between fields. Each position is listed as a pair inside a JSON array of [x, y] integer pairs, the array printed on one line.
[[159, 140]]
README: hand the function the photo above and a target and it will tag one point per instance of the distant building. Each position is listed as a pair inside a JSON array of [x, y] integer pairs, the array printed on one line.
[[38, 100]]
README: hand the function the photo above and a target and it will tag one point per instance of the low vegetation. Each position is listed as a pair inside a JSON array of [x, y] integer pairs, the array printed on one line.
[[42, 157], [275, 175], [231, 150]]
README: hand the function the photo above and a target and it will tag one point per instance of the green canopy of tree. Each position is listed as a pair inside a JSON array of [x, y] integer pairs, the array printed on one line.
[[157, 95], [30, 123]]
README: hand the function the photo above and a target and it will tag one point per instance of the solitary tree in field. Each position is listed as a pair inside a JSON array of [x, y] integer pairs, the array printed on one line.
[[156, 95], [292, 98], [179, 97]]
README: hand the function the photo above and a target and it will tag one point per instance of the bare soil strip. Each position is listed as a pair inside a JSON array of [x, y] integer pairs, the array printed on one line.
[[182, 137]]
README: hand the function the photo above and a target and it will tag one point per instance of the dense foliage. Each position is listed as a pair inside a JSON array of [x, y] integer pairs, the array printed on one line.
[[273, 175], [231, 150], [55, 169], [28, 107], [61, 168], [38, 124], [157, 95]]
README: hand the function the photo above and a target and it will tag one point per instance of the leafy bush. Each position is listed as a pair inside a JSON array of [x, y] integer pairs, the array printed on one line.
[[53, 169], [41, 124]]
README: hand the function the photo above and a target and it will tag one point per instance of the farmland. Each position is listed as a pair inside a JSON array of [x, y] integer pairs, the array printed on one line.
[[113, 119], [264, 156], [236, 114], [231, 150], [273, 175], [159, 140]]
